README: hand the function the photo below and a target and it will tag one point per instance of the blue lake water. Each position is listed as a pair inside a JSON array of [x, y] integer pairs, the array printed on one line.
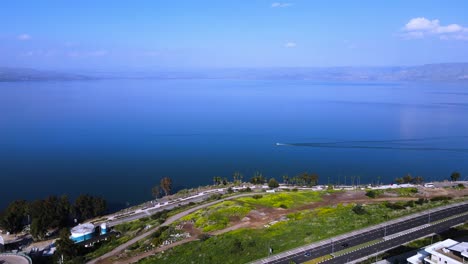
[[117, 138]]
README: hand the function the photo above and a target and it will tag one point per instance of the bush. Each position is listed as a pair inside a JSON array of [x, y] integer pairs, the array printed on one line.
[[257, 196], [394, 206], [283, 206], [461, 186], [294, 190], [441, 198], [372, 194], [421, 201], [359, 209], [203, 237], [230, 190]]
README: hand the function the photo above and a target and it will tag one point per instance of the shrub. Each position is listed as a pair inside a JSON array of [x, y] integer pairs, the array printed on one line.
[[461, 186], [283, 206], [421, 201], [372, 194], [203, 237], [294, 190], [257, 196], [394, 206], [441, 198], [230, 190], [359, 209]]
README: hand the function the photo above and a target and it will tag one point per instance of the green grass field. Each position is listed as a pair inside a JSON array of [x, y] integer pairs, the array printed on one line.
[[283, 200], [217, 216], [244, 245]]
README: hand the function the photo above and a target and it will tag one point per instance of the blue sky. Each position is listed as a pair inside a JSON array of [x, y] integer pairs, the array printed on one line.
[[204, 34]]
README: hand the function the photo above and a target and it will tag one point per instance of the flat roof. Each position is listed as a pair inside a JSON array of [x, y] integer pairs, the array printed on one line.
[[460, 247]]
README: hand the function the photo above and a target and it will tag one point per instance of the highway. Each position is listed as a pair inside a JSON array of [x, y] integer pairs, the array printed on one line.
[[333, 245]]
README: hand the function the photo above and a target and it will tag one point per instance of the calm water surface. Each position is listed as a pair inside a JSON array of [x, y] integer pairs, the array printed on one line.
[[117, 138]]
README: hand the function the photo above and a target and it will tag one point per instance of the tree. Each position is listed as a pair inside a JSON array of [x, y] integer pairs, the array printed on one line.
[[156, 191], [418, 180], [65, 246], [408, 178], [14, 216], [455, 176], [87, 207], [166, 185], [273, 183], [399, 180], [257, 178]]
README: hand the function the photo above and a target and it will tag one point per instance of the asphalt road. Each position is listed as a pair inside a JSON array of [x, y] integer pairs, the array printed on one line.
[[332, 246]]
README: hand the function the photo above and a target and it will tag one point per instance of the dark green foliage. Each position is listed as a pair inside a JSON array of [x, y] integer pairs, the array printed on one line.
[[441, 198], [65, 246], [395, 206], [455, 176], [215, 196], [461, 186], [203, 237], [230, 190], [237, 246], [272, 183], [421, 201], [14, 216], [359, 209], [294, 190], [409, 179], [283, 206], [258, 178], [373, 193], [257, 196], [87, 207]]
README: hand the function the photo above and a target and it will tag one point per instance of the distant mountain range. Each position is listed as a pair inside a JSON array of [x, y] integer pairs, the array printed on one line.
[[429, 72], [23, 74]]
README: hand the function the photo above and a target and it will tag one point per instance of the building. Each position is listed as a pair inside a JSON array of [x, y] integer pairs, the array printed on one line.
[[82, 232], [444, 252]]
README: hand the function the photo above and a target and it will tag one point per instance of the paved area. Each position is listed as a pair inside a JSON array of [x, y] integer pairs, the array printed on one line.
[[8, 258]]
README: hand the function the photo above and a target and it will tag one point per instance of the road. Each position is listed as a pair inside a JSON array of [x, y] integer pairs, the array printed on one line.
[[168, 221], [358, 237]]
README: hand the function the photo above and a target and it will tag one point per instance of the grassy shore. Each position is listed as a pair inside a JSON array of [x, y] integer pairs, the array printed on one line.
[[302, 227]]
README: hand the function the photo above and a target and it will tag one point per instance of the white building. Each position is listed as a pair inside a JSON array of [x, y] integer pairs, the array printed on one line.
[[444, 252]]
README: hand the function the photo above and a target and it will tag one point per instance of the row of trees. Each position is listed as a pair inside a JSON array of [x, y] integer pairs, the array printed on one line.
[[50, 213], [258, 178], [455, 176], [409, 179]]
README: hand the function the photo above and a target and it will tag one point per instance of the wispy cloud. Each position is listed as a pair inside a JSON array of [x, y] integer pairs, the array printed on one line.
[[94, 53], [422, 27], [278, 4], [24, 37], [290, 44]]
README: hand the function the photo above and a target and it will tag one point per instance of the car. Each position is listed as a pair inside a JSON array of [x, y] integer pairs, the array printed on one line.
[[345, 245], [307, 254]]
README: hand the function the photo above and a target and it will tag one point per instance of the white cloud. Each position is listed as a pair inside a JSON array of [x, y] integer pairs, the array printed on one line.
[[421, 27], [24, 37], [290, 44], [278, 4]]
